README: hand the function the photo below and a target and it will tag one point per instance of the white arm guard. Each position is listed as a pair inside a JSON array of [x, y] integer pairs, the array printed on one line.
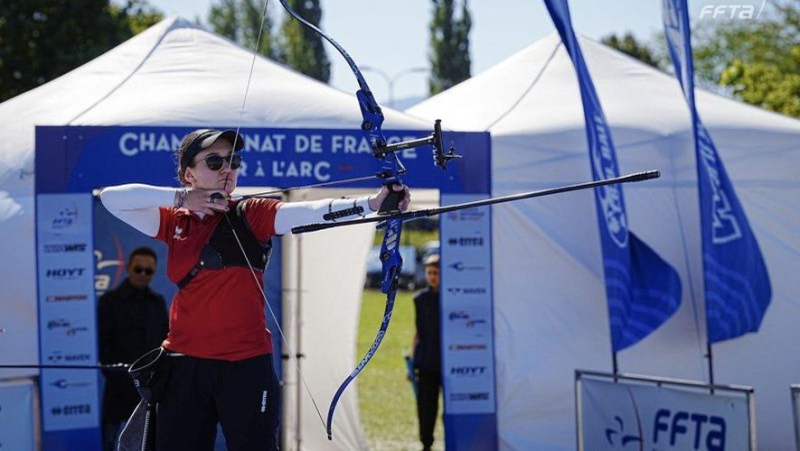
[[137, 204], [293, 214]]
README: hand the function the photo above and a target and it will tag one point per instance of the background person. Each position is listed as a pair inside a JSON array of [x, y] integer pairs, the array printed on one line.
[[132, 319], [428, 351]]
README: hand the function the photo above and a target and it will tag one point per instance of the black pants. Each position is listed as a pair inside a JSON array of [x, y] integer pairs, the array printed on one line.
[[429, 384], [243, 396]]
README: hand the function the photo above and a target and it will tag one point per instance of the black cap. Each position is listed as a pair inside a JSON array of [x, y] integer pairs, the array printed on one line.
[[205, 139]]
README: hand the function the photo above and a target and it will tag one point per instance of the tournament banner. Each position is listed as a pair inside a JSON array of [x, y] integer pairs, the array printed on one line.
[[737, 286], [656, 414], [643, 290], [67, 316], [468, 363]]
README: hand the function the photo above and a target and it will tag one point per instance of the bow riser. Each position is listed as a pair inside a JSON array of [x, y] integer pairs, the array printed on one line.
[[390, 256]]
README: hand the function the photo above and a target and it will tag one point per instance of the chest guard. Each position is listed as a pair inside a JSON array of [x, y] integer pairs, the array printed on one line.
[[222, 250]]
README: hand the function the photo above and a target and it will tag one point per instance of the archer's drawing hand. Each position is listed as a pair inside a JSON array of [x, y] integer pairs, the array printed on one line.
[[206, 201]]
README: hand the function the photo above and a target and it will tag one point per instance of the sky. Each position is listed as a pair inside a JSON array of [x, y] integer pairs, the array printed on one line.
[[392, 35]]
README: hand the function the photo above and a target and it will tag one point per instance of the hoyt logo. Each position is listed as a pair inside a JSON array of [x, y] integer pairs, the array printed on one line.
[[468, 371], [466, 241], [65, 273], [72, 409]]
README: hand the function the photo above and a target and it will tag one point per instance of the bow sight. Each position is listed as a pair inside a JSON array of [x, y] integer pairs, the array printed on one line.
[[440, 157]]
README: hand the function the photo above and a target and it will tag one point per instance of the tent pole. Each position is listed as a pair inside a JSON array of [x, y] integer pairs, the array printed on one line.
[[614, 364], [710, 358], [298, 340]]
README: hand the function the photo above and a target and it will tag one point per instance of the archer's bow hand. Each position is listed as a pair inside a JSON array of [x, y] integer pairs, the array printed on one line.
[[389, 202]]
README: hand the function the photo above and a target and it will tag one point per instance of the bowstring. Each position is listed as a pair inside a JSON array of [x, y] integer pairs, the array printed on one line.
[[285, 342]]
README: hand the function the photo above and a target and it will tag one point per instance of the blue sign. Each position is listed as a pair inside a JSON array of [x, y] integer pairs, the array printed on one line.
[[643, 290], [80, 159], [737, 286]]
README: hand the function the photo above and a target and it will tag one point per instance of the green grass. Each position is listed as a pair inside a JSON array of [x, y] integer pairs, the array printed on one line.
[[386, 400]]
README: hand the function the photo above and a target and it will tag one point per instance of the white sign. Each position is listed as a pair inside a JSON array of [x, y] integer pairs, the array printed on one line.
[[467, 354], [67, 310], [631, 416]]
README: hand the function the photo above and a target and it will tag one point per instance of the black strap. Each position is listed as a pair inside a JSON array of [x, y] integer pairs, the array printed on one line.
[[222, 249]]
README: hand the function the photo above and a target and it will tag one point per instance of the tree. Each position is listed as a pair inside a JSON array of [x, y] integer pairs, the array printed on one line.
[[301, 48], [628, 45], [245, 22], [757, 59], [449, 54], [41, 40]]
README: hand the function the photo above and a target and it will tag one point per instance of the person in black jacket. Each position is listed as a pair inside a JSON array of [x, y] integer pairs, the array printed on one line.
[[427, 352], [132, 319]]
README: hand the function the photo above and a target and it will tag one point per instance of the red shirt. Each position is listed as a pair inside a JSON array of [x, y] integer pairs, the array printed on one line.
[[220, 313]]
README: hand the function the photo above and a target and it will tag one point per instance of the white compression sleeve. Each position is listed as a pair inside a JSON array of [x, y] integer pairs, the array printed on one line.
[[293, 214], [137, 204]]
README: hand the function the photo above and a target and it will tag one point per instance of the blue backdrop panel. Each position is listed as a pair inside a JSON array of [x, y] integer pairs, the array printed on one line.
[[82, 159]]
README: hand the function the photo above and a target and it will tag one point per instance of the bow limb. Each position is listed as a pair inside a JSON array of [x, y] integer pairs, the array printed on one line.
[[391, 170], [392, 264]]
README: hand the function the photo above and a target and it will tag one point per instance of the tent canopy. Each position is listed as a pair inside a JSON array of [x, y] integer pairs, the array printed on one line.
[[178, 74], [550, 309]]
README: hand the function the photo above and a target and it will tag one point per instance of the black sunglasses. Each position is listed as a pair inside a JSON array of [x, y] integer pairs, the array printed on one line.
[[214, 162], [140, 270]]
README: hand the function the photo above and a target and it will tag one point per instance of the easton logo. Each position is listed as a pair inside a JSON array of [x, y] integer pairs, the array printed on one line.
[[59, 248]]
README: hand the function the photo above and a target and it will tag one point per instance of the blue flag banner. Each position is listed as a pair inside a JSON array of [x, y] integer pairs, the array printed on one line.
[[737, 287], [643, 290]]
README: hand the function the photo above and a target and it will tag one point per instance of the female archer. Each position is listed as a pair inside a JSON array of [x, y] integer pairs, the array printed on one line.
[[219, 350]]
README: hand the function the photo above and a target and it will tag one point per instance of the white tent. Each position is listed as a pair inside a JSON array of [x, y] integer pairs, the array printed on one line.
[[177, 74], [550, 310]]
